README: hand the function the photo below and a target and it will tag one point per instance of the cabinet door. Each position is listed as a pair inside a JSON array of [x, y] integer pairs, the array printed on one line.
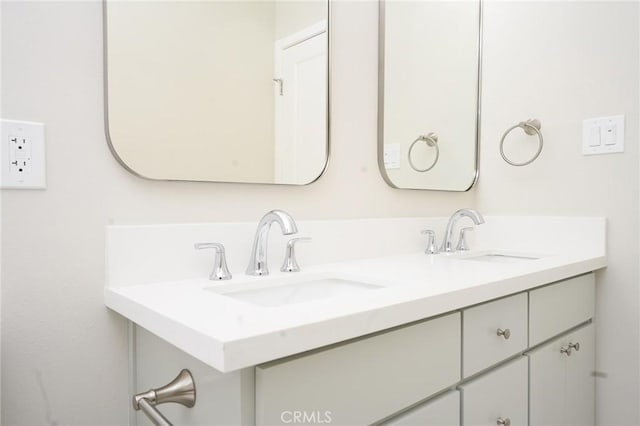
[[580, 383], [501, 393], [562, 387], [547, 384], [442, 411]]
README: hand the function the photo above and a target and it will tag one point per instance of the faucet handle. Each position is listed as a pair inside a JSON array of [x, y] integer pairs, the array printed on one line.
[[220, 270], [432, 247], [290, 263], [462, 242]]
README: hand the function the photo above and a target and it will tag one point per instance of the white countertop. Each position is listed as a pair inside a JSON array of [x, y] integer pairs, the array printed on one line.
[[228, 334]]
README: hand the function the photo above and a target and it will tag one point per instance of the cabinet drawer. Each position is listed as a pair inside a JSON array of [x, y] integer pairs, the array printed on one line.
[[442, 411], [482, 345], [501, 393], [559, 307], [363, 381]]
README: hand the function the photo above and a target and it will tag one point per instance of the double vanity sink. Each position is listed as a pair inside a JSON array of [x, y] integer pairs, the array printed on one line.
[[373, 327], [343, 291]]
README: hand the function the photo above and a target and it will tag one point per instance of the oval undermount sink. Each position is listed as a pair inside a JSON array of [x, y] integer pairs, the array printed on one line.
[[282, 292]]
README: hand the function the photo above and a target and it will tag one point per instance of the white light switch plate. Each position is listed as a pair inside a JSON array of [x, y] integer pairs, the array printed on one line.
[[392, 156], [603, 135], [22, 155]]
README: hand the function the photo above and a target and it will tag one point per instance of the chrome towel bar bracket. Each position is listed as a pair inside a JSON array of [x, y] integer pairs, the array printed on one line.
[[530, 127], [181, 390]]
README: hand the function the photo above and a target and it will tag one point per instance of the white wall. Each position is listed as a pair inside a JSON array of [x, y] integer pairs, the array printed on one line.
[[64, 356], [294, 16]]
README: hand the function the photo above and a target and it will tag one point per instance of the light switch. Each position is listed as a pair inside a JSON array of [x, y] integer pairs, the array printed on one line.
[[594, 135], [610, 134], [392, 156], [22, 155], [603, 135]]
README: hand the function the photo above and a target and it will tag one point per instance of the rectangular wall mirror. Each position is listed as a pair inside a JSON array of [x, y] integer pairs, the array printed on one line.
[[220, 91], [429, 93]]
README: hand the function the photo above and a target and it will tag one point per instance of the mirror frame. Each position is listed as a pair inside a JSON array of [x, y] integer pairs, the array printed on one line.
[[381, 63], [120, 160]]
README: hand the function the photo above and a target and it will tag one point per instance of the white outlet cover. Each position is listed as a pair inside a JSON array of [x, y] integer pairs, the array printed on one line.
[[603, 135], [33, 174]]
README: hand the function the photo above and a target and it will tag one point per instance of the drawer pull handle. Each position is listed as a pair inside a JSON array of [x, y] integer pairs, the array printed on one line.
[[506, 333], [566, 351], [575, 346], [503, 422]]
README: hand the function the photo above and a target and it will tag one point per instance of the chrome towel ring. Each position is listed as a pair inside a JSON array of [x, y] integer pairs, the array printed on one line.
[[530, 127], [431, 140]]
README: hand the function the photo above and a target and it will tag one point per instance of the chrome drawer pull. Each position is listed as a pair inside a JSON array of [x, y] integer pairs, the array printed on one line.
[[566, 351], [575, 346], [506, 333], [503, 422]]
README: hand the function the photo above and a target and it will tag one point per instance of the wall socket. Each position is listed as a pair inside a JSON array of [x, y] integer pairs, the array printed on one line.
[[22, 155]]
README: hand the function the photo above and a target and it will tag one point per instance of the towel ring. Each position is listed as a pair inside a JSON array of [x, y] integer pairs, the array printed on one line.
[[530, 127], [431, 140]]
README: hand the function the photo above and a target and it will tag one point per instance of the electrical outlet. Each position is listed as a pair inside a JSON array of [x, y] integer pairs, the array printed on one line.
[[22, 155], [19, 155]]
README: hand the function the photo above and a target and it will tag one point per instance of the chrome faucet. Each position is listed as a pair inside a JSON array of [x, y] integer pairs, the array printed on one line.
[[220, 270], [290, 263], [447, 242], [258, 262]]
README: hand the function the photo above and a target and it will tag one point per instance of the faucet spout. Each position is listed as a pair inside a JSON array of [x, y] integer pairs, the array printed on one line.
[[447, 242], [258, 262]]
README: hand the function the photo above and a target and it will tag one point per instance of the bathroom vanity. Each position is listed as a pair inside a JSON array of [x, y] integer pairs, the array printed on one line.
[[501, 334]]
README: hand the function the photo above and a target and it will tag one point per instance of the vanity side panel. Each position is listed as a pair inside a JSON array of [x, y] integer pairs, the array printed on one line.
[[221, 398], [364, 381]]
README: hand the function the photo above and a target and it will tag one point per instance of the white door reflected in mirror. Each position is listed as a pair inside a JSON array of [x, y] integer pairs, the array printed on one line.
[[300, 105]]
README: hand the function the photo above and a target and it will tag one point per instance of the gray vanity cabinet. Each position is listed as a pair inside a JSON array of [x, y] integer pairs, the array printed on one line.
[[461, 368]]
